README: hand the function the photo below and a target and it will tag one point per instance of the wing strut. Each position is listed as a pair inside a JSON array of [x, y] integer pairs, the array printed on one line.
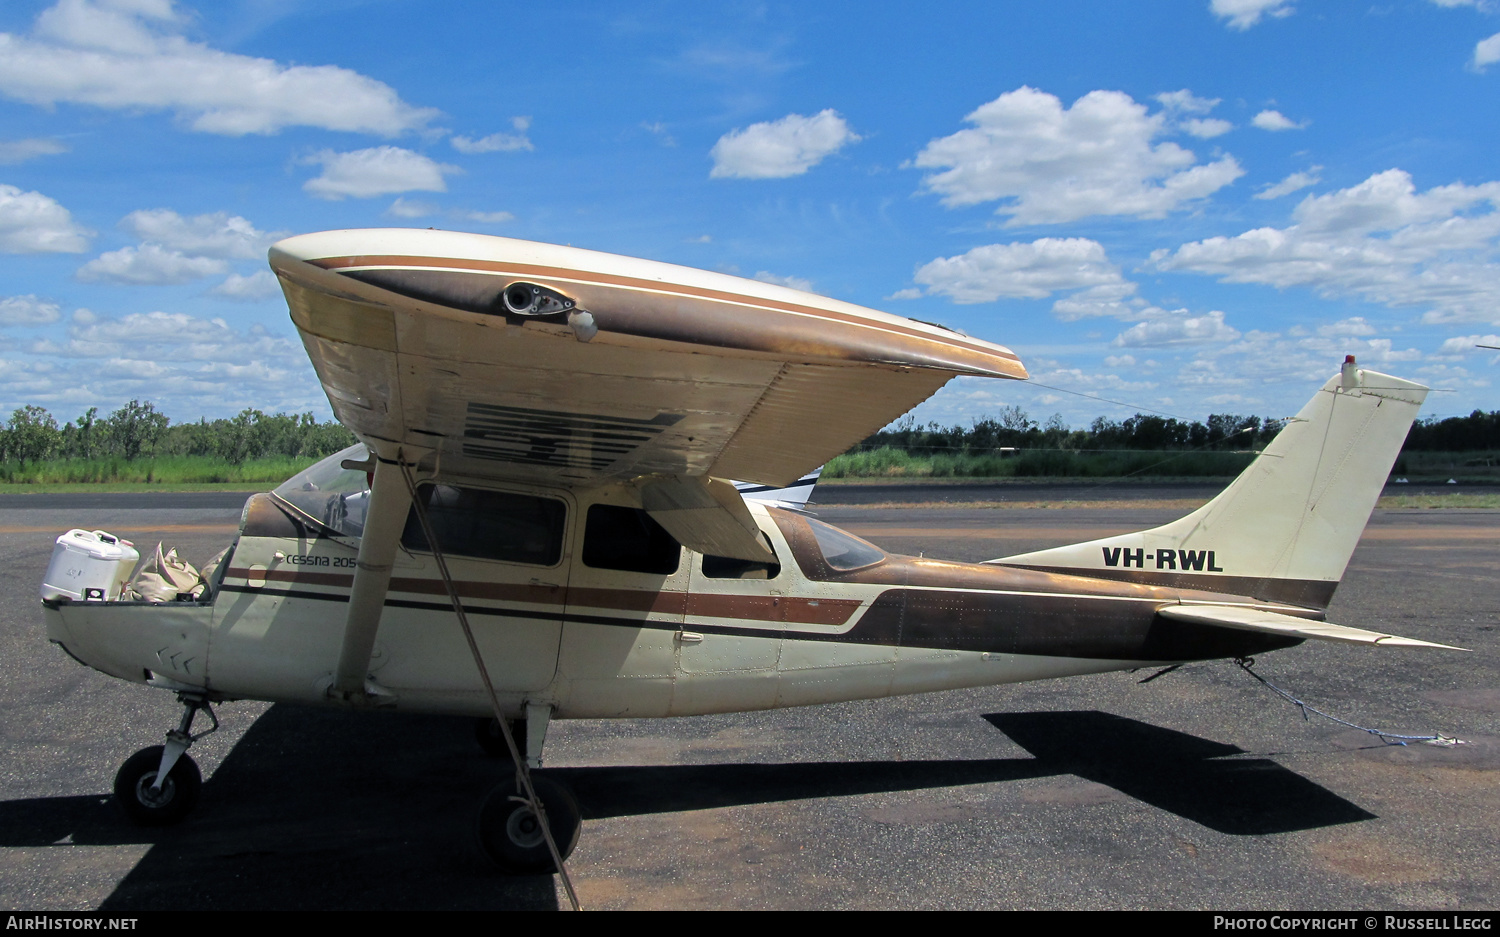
[[523, 768], [384, 521]]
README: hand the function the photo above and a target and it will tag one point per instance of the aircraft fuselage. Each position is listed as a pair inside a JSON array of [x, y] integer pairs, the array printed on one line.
[[671, 633]]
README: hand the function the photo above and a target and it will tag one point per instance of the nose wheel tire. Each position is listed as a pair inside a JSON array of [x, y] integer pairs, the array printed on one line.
[[146, 805], [511, 835]]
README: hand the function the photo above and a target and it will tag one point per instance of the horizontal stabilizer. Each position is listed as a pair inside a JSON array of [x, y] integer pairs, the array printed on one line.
[[1254, 619], [793, 497]]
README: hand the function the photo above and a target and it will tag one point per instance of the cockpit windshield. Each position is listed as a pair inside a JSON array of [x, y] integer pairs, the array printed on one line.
[[330, 494], [844, 551]]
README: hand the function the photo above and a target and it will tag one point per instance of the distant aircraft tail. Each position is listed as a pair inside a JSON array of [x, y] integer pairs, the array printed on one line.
[[1283, 531], [794, 496]]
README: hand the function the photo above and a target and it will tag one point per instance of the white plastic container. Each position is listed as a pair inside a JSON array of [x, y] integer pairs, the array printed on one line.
[[89, 566]]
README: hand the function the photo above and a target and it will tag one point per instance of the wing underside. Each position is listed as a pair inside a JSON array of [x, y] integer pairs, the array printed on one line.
[[673, 378]]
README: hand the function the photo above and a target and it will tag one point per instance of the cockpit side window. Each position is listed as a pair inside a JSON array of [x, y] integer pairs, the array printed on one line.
[[490, 525], [329, 494], [628, 539], [844, 551]]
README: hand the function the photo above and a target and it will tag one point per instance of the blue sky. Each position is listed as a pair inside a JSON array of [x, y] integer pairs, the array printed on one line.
[[1189, 207]]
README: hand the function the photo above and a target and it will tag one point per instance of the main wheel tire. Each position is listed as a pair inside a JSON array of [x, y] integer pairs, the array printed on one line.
[[511, 836], [146, 807], [487, 734]]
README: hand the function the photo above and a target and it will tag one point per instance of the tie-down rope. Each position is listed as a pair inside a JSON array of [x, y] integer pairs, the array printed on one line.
[[523, 771], [1390, 738]]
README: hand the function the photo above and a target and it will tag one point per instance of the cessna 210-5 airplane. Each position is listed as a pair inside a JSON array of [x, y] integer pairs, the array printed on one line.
[[538, 522]]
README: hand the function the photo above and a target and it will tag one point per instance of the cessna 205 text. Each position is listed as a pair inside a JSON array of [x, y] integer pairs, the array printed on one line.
[[562, 422]]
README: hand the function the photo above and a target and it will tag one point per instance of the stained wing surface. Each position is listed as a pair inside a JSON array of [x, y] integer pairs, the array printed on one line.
[[533, 362]]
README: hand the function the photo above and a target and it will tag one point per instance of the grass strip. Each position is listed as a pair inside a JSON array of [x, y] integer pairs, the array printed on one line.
[[1456, 500]]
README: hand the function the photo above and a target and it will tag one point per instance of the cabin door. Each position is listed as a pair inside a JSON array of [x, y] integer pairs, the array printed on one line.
[[625, 602], [507, 552]]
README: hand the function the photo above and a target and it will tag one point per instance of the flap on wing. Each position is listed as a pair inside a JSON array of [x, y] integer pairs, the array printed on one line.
[[1254, 619], [706, 515]]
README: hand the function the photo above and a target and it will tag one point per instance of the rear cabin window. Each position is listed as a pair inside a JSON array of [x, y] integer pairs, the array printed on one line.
[[628, 539], [727, 567], [490, 525]]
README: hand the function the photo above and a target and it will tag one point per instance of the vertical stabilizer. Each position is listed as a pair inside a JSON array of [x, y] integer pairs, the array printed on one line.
[[1285, 528]]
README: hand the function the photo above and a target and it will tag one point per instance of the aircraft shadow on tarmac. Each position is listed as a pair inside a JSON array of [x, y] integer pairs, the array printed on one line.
[[1195, 778], [321, 809]]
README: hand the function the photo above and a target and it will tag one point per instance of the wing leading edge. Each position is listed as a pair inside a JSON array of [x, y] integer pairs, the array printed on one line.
[[617, 369]]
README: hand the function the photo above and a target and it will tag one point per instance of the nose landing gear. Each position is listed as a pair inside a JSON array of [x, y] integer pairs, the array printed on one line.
[[158, 786]]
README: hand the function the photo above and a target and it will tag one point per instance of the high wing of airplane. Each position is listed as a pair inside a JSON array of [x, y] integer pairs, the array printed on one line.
[[575, 496]]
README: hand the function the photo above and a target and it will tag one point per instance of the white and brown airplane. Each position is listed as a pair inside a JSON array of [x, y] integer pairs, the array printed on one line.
[[538, 522]]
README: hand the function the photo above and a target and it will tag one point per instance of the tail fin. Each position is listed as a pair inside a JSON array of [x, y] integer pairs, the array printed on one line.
[[1284, 529], [793, 496]]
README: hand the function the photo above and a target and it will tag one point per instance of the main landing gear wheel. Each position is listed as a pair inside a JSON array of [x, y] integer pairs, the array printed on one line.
[[511, 835], [487, 734], [146, 803]]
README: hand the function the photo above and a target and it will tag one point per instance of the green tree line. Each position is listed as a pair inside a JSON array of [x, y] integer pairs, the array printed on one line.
[[139, 431], [1013, 428]]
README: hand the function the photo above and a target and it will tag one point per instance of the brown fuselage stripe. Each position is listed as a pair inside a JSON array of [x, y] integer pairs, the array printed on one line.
[[1307, 593], [789, 609], [655, 286], [1087, 627]]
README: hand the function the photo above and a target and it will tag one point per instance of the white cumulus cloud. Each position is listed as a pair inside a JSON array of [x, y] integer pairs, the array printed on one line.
[[149, 265], [218, 234], [1242, 14], [28, 310], [32, 223], [262, 284], [411, 208], [485, 217], [1486, 53], [131, 55], [19, 151], [795, 283], [1466, 344], [1380, 240], [1022, 270], [1354, 325], [1206, 128], [1292, 183], [497, 142], [1053, 164], [1186, 102], [380, 170], [1178, 327], [1176, 104], [188, 365], [169, 336], [1269, 358], [780, 148], [1275, 121]]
